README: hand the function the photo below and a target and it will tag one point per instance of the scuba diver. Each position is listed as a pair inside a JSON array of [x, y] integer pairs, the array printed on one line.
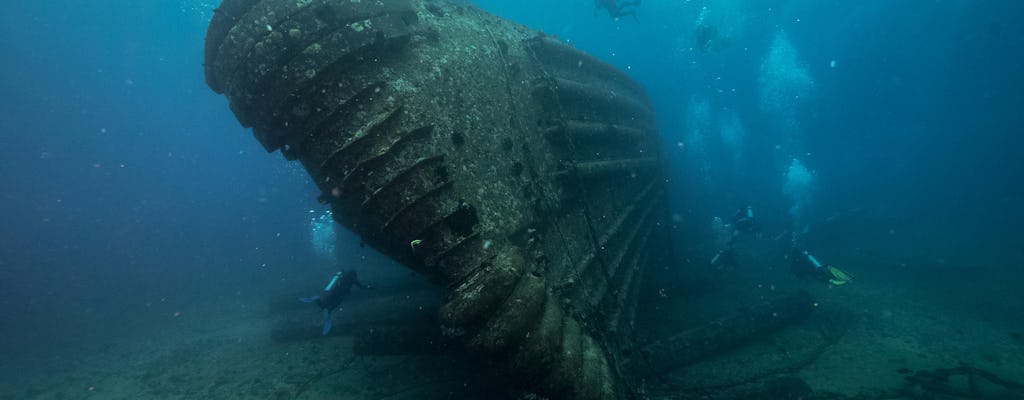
[[616, 8], [805, 266], [725, 259], [337, 289], [707, 39], [743, 221], [726, 234], [706, 36]]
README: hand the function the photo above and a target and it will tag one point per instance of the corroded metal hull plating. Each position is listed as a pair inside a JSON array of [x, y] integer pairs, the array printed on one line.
[[518, 172]]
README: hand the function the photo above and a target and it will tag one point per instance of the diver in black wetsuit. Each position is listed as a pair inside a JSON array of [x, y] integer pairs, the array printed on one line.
[[616, 8], [742, 222], [336, 290], [725, 259]]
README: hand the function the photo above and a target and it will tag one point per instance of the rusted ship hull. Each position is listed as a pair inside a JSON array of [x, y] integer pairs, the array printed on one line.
[[519, 173]]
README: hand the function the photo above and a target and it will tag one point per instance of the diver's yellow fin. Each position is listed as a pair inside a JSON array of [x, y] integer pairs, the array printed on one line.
[[839, 277]]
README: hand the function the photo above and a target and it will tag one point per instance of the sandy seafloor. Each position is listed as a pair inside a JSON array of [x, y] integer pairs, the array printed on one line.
[[888, 325]]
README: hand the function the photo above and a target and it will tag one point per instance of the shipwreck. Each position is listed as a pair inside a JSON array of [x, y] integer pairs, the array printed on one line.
[[520, 174]]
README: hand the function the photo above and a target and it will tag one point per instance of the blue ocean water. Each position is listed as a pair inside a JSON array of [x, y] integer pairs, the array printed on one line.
[[886, 134]]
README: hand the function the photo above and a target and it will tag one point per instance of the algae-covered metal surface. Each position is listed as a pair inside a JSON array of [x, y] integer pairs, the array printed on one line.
[[522, 175]]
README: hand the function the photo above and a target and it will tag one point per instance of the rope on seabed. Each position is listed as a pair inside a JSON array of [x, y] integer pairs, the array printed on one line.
[[323, 374], [417, 387], [781, 370]]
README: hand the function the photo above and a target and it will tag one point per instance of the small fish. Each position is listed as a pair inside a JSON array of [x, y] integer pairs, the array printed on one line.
[[414, 243]]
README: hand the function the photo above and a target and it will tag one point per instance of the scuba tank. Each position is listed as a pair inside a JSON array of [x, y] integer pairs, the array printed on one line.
[[814, 261], [333, 281]]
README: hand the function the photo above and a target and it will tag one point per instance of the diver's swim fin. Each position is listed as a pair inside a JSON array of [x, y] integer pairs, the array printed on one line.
[[839, 277], [327, 323], [309, 299]]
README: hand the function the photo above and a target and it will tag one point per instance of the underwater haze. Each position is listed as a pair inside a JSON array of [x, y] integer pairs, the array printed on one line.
[[150, 245]]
